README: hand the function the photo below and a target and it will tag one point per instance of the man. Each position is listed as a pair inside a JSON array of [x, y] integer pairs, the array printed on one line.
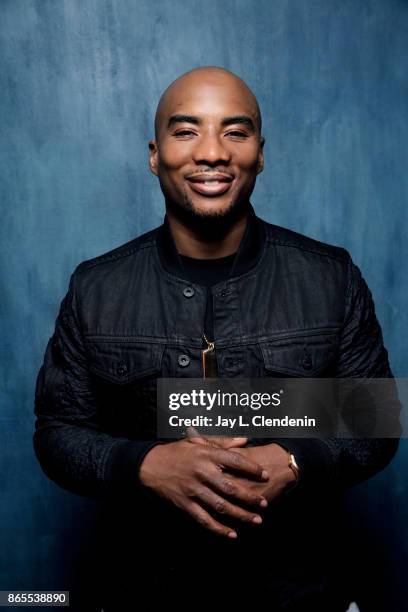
[[217, 291]]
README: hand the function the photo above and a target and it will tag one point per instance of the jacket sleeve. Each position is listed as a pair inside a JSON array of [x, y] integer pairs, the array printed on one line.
[[69, 442], [340, 461]]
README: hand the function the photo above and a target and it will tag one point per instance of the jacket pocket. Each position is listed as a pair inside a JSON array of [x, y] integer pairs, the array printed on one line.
[[122, 361], [302, 355], [125, 375]]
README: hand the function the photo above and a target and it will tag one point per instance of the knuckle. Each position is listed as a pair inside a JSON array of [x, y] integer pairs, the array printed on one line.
[[227, 457], [228, 487], [201, 493], [190, 490], [237, 460], [219, 454], [200, 453], [220, 506], [194, 491], [241, 465], [199, 471], [205, 452]]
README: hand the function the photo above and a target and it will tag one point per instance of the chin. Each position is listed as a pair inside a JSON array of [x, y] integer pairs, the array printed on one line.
[[211, 209]]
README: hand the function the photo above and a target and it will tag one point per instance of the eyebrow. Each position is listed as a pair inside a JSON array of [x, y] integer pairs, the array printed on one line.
[[242, 119]]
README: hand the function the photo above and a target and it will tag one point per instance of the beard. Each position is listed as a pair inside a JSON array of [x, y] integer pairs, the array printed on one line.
[[211, 224]]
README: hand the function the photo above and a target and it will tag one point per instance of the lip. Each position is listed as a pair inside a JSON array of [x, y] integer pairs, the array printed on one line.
[[210, 184]]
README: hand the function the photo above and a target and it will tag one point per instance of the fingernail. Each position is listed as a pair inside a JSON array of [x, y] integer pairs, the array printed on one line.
[[257, 520], [263, 503], [265, 475], [232, 534]]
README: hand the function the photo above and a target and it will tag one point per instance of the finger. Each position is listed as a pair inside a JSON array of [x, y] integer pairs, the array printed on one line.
[[224, 507], [208, 522], [229, 442], [228, 486], [238, 463], [194, 436], [192, 432], [271, 492]]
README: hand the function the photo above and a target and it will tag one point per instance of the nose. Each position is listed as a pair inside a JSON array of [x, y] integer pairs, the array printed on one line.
[[210, 150]]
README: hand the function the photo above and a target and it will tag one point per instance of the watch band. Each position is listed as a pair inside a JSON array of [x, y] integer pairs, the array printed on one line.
[[293, 465]]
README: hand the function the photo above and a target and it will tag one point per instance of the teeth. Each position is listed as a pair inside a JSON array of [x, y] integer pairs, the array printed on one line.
[[214, 182]]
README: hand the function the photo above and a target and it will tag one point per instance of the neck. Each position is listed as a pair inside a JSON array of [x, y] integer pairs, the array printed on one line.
[[192, 242]]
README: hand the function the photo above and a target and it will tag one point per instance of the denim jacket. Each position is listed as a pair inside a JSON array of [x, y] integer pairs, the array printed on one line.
[[297, 307]]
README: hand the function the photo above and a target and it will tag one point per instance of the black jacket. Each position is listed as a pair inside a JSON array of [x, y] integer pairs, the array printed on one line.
[[293, 307]]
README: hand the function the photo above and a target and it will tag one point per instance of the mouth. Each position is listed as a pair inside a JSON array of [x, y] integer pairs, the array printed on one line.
[[210, 184]]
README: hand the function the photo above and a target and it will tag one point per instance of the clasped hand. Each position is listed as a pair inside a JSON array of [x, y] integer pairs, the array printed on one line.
[[203, 476]]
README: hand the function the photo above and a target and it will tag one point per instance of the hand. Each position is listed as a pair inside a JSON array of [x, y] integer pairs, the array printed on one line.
[[272, 457], [191, 476]]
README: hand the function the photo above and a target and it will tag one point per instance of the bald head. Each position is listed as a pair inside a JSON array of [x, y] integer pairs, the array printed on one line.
[[200, 82]]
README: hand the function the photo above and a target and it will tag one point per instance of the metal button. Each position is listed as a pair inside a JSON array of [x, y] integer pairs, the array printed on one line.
[[183, 360], [122, 369], [188, 292], [307, 362]]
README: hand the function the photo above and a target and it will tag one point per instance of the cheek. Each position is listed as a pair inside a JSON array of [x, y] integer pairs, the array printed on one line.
[[173, 158], [247, 159], [248, 171]]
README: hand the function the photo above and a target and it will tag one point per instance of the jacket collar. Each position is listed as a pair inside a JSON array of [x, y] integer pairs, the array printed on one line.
[[248, 254]]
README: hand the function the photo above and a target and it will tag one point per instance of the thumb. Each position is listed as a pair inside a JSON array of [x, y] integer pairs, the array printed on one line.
[[195, 437], [217, 442], [233, 442]]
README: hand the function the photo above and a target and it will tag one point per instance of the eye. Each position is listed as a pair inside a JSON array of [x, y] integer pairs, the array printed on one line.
[[237, 134], [184, 132]]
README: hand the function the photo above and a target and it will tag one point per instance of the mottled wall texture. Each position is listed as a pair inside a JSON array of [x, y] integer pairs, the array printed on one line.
[[79, 81]]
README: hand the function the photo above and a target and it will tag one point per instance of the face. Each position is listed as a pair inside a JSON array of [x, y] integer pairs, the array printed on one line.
[[208, 150]]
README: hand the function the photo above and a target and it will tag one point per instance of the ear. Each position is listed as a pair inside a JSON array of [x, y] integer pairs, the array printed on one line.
[[153, 156], [261, 156]]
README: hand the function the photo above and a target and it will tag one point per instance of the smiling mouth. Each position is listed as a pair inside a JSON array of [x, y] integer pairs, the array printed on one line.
[[210, 184]]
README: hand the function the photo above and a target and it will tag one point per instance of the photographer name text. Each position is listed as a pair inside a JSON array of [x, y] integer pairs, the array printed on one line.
[[240, 421]]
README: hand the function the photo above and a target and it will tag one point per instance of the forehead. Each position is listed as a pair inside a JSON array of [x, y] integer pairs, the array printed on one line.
[[209, 98]]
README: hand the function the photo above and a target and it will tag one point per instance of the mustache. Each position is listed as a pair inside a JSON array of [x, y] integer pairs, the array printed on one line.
[[211, 170]]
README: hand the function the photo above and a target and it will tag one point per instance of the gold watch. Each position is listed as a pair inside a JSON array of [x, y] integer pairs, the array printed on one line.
[[293, 465]]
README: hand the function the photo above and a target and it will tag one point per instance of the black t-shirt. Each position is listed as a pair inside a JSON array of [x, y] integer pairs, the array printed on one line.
[[208, 272]]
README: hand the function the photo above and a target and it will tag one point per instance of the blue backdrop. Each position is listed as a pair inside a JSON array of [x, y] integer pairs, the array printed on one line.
[[79, 81]]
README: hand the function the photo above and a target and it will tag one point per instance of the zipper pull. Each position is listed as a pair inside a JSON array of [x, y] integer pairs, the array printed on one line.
[[209, 360]]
